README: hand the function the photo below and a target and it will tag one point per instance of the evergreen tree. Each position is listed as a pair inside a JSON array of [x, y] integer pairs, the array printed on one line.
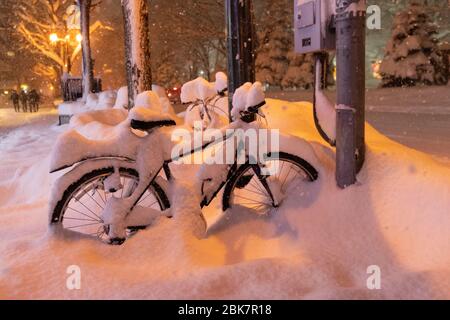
[[412, 55], [275, 37], [300, 73]]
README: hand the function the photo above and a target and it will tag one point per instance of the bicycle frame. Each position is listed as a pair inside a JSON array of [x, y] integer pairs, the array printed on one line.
[[231, 172]]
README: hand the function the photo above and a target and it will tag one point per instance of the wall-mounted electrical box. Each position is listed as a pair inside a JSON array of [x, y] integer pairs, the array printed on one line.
[[313, 23]]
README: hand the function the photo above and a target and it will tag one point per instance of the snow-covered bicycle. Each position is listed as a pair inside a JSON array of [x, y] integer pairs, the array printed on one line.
[[118, 186]]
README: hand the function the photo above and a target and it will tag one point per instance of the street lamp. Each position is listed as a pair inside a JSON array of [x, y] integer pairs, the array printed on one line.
[[53, 38], [66, 41]]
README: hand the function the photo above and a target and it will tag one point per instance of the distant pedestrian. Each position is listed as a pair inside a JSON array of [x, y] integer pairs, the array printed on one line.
[[24, 100], [34, 99], [15, 100]]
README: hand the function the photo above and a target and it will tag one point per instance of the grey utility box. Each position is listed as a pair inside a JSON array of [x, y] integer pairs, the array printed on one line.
[[313, 23]]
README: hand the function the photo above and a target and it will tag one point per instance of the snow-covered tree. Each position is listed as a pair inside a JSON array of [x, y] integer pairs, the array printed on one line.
[[165, 72], [38, 19], [137, 48], [300, 73], [194, 30], [412, 55], [275, 38], [30, 24], [88, 68]]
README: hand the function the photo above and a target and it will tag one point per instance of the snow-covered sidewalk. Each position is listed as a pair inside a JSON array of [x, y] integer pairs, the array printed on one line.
[[396, 218], [10, 119]]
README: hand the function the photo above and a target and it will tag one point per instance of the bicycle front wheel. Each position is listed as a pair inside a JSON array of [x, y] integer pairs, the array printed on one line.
[[250, 188]]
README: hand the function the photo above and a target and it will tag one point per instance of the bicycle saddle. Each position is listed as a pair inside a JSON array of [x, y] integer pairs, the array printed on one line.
[[146, 119], [149, 125]]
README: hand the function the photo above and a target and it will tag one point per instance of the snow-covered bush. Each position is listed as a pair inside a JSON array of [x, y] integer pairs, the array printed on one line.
[[275, 42], [412, 55]]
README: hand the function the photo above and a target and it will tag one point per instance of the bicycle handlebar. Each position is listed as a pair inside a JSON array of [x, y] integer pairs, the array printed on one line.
[[249, 114]]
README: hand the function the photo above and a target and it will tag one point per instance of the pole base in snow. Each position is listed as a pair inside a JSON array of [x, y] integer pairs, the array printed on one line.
[[350, 56]]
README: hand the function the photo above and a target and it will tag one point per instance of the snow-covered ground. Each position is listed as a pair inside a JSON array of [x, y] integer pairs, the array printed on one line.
[[417, 100], [417, 117], [10, 119], [318, 246]]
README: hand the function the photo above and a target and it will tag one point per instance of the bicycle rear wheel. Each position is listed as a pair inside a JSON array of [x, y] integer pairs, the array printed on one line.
[[82, 204]]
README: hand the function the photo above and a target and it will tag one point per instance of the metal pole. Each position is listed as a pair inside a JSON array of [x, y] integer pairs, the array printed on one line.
[[69, 63], [241, 44], [350, 56]]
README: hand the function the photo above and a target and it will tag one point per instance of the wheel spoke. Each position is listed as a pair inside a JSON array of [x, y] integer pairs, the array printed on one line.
[[251, 200], [84, 225], [261, 195], [77, 219], [82, 216], [101, 207], [256, 192], [285, 178], [100, 196], [89, 209], [259, 187]]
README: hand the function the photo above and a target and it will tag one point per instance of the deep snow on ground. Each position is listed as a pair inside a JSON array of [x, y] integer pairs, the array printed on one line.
[[418, 117], [319, 246], [418, 100]]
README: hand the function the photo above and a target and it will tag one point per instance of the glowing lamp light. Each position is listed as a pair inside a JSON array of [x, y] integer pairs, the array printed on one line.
[[79, 37], [53, 38], [376, 69], [24, 87]]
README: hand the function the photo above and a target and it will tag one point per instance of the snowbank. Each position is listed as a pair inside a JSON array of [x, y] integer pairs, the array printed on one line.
[[319, 245]]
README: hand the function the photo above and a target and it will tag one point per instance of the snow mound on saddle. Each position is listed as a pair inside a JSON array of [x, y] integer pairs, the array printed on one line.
[[72, 147], [198, 89], [155, 100], [149, 100]]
